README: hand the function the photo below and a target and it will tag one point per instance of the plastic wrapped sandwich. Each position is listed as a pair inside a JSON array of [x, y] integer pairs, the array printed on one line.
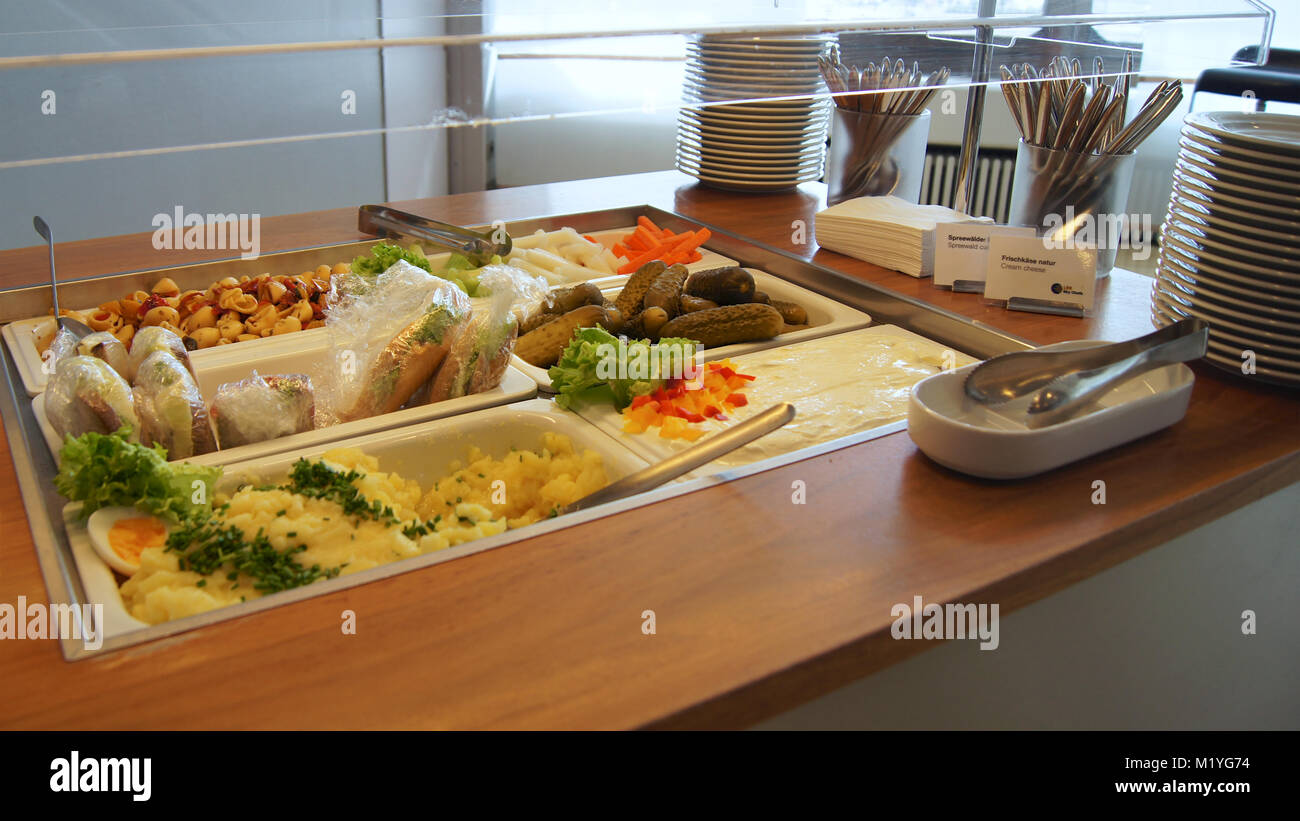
[[480, 354], [170, 407], [105, 346], [151, 339], [407, 338], [410, 359], [263, 407], [86, 395]]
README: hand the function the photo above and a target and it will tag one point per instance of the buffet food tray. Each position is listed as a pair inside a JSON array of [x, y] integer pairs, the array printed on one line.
[[23, 308], [514, 387], [415, 452], [35, 467], [825, 315], [656, 448]]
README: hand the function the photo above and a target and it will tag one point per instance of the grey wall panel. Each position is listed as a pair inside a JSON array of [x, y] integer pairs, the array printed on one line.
[[132, 106]]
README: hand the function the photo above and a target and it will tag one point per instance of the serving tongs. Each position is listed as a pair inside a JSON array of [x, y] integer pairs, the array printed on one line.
[[477, 248], [706, 451], [1065, 382]]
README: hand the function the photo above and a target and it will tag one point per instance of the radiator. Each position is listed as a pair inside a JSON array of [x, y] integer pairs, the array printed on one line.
[[995, 170], [993, 173]]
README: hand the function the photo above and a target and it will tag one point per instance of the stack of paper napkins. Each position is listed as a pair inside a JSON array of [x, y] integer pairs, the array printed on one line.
[[886, 231]]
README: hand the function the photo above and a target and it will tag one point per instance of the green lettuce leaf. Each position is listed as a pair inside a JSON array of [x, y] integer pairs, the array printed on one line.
[[579, 375], [458, 270], [105, 471], [383, 256]]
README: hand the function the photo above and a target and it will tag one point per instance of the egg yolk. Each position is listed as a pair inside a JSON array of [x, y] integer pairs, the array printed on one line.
[[127, 537]]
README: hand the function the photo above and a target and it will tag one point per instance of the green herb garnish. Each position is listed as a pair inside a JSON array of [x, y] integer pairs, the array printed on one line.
[[206, 547]]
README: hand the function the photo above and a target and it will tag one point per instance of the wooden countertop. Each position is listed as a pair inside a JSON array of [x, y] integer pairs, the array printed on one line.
[[761, 604]]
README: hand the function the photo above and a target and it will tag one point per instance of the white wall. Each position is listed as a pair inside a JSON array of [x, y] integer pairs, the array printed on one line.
[[131, 106], [1153, 643], [415, 89]]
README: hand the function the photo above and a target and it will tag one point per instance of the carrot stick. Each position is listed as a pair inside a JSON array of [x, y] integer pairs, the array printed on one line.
[[693, 241], [645, 236], [631, 266], [681, 241], [645, 223]]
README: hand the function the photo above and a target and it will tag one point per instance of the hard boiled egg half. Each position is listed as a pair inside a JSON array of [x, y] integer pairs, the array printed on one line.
[[119, 534]]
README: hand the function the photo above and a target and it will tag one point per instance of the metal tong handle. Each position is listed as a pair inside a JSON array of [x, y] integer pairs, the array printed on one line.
[[706, 451], [1013, 375], [478, 248], [1074, 392]]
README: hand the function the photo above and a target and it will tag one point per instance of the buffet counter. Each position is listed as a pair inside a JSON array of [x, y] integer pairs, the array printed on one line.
[[760, 604]]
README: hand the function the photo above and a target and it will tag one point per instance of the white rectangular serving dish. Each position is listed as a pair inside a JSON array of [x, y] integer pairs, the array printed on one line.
[[995, 443], [824, 314], [19, 337], [304, 353], [610, 287], [814, 434], [420, 452]]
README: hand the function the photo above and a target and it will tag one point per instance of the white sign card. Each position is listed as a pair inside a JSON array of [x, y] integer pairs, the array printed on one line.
[[1029, 268], [961, 249]]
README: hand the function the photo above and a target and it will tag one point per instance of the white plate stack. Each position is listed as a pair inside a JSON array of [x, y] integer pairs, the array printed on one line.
[[731, 134], [1230, 243]]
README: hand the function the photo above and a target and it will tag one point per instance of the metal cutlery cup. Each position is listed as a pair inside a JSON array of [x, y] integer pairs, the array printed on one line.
[[1044, 107]]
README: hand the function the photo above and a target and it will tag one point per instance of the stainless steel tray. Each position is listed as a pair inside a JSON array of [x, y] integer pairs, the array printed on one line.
[[35, 468]]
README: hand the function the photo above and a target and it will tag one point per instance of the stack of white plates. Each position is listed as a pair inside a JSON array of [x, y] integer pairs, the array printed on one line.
[[1230, 244], [754, 112]]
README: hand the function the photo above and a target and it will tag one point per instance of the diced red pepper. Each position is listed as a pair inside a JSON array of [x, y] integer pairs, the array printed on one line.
[[737, 400]]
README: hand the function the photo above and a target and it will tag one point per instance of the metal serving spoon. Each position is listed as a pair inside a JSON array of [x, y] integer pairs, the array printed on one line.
[[77, 329], [706, 451]]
